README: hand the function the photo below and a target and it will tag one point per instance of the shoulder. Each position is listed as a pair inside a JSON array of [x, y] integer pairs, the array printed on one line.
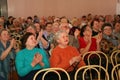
[[56, 49], [21, 52]]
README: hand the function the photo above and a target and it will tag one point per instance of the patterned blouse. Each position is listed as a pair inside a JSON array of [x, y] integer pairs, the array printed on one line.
[[5, 65]]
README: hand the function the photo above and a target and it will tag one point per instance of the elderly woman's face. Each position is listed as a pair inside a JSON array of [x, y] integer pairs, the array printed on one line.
[[31, 41]]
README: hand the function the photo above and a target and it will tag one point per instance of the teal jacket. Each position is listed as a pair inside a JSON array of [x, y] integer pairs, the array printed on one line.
[[24, 59]]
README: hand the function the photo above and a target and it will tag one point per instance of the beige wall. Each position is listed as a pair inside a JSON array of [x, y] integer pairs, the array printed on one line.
[[69, 8]]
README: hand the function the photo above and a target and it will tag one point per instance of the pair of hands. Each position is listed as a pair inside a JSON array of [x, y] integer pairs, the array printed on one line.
[[75, 59], [37, 60], [13, 43], [40, 35]]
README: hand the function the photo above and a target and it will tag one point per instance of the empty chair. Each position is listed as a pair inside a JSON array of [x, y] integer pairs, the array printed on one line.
[[102, 58], [57, 71], [83, 71], [115, 74], [96, 58], [115, 57]]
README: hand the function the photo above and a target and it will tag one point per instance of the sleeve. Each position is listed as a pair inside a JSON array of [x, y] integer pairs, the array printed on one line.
[[21, 69], [45, 59], [55, 61]]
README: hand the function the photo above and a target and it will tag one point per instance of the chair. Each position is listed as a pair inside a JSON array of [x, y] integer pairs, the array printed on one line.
[[115, 74], [100, 58], [55, 70], [84, 70], [114, 57], [101, 55]]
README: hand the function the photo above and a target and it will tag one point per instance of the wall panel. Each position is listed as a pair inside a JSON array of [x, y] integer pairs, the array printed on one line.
[[69, 8]]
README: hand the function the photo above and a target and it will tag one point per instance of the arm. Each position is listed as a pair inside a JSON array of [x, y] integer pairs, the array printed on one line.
[[86, 49], [43, 41], [87, 40], [98, 40]]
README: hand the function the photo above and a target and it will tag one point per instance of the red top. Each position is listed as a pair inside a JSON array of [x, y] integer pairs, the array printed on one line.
[[83, 44]]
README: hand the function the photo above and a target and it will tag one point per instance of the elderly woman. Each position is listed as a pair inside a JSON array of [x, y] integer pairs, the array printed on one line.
[[65, 56], [30, 59]]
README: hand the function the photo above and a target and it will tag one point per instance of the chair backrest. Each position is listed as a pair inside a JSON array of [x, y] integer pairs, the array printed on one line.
[[96, 58], [84, 70], [114, 57], [115, 60], [102, 57], [115, 74], [55, 70]]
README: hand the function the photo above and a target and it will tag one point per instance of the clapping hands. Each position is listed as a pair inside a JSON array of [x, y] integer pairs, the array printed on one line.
[[37, 60], [75, 59]]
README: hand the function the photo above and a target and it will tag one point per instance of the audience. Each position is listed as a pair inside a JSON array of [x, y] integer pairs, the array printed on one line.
[[86, 33]]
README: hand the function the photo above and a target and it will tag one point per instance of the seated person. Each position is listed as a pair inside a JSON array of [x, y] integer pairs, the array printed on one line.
[[87, 42], [30, 59], [109, 42], [7, 53], [63, 55]]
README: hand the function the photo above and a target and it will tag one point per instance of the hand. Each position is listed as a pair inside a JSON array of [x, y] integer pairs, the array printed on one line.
[[37, 59], [12, 42], [75, 59], [40, 58], [40, 34]]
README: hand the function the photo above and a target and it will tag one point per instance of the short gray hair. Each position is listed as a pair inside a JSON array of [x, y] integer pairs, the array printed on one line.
[[57, 34]]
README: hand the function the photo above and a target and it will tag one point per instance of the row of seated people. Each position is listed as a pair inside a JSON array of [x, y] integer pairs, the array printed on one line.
[[58, 44]]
